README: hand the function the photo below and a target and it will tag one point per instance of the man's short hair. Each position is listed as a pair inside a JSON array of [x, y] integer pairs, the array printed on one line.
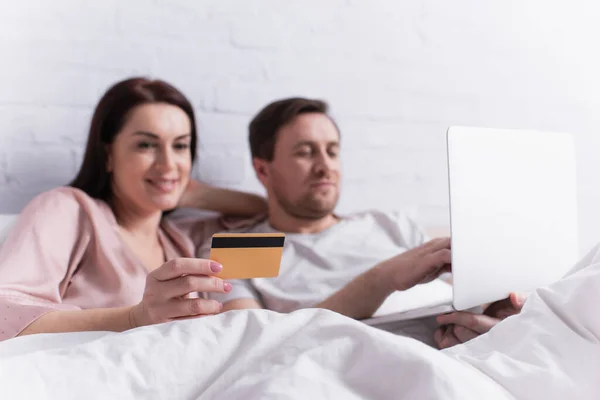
[[266, 124]]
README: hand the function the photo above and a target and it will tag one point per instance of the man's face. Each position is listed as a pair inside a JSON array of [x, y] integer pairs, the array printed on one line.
[[304, 176]]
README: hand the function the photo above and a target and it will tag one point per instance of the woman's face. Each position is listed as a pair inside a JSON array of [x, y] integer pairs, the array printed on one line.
[[150, 159]]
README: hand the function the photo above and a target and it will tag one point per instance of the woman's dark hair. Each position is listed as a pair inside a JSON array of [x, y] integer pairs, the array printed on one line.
[[110, 116]]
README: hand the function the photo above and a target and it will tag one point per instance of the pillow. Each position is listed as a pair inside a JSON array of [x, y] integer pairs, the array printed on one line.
[[7, 221]]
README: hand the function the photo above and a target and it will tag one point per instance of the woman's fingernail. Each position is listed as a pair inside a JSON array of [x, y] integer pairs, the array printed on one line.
[[227, 287], [215, 266]]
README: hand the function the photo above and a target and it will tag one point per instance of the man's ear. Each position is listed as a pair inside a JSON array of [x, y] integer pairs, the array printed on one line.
[[261, 169]]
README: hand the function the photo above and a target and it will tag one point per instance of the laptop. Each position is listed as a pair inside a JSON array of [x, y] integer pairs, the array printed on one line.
[[513, 221]]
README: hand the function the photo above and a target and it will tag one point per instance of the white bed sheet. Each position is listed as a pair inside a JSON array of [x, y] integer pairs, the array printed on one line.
[[549, 351]]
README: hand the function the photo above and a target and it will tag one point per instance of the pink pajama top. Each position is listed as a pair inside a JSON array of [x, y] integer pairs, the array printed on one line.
[[65, 253]]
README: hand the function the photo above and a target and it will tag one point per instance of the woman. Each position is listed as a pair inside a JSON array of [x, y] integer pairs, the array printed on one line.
[[100, 254]]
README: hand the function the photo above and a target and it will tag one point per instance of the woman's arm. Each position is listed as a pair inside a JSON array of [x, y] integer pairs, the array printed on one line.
[[99, 319], [164, 299], [38, 258], [225, 201]]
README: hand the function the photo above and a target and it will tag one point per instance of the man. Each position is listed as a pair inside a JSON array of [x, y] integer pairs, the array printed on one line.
[[346, 264]]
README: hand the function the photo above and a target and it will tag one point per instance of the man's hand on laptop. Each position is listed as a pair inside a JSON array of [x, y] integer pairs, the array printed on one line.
[[421, 264], [362, 296], [461, 326]]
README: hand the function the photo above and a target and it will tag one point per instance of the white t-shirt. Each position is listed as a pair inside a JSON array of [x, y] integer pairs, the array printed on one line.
[[314, 266]]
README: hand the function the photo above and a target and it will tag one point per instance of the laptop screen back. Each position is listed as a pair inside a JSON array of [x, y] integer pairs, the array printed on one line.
[[513, 211]]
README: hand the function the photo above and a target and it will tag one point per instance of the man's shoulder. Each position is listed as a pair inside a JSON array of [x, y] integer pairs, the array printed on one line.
[[393, 217], [395, 223]]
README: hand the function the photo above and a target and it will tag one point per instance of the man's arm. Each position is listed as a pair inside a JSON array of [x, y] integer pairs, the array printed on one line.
[[240, 304], [225, 201], [361, 297], [364, 295], [242, 296]]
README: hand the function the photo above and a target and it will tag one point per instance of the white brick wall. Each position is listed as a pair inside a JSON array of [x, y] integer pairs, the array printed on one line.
[[396, 73]]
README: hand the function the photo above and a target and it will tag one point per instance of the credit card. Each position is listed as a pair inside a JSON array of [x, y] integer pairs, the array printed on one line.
[[247, 255]]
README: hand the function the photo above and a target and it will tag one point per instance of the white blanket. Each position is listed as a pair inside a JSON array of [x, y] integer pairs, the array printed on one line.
[[245, 355], [550, 351]]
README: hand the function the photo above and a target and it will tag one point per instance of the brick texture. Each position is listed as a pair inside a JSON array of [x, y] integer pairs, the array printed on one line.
[[396, 73]]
